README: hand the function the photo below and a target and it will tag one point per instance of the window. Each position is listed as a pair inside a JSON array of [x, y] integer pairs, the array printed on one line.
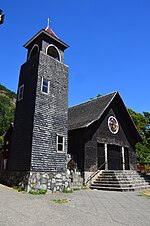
[[60, 143], [53, 52], [45, 86], [33, 51], [20, 92], [113, 125]]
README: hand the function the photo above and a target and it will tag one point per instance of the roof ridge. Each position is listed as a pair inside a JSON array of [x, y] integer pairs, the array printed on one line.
[[96, 98]]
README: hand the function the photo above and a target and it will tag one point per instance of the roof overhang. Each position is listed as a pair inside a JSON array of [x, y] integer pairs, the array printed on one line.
[[48, 35]]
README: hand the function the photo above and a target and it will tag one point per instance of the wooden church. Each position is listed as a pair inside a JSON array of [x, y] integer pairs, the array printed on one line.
[[98, 134], [102, 135]]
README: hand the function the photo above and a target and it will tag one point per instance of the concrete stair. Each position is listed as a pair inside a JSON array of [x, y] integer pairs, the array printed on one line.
[[120, 180]]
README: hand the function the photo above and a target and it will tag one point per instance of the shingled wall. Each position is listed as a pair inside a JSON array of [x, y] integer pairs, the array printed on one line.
[[50, 116]]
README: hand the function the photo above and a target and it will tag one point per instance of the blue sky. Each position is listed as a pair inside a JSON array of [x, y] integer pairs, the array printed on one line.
[[109, 45]]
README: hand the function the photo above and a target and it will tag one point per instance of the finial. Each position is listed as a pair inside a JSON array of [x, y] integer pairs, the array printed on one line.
[[48, 22]]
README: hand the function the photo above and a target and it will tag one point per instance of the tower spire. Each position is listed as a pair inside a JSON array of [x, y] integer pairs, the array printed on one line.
[[48, 22], [49, 30]]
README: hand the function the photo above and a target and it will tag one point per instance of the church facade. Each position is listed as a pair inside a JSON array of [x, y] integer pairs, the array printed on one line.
[[98, 134], [102, 135]]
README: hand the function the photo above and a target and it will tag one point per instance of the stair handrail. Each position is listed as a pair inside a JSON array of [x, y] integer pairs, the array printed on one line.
[[94, 174]]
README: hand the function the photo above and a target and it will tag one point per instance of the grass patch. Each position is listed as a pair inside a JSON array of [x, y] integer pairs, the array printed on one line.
[[19, 189], [85, 187], [145, 193], [40, 192], [76, 189], [68, 191], [60, 201]]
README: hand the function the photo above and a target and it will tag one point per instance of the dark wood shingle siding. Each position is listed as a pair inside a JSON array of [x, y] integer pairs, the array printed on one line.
[[50, 116], [84, 114], [22, 133]]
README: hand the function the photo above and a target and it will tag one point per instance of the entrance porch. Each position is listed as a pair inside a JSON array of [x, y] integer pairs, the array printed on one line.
[[112, 157]]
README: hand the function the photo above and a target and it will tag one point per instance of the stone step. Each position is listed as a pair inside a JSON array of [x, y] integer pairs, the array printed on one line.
[[120, 178], [120, 172], [119, 185], [120, 188], [121, 181], [120, 175], [107, 178]]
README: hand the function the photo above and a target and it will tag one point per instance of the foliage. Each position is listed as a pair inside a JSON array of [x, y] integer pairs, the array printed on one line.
[[19, 189], [145, 193], [142, 153], [142, 122], [60, 201], [98, 95], [68, 190], [1, 141], [139, 120], [7, 108], [9, 93], [85, 187], [40, 192]]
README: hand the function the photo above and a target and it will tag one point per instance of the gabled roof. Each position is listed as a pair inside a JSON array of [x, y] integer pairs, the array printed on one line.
[[49, 33], [85, 114]]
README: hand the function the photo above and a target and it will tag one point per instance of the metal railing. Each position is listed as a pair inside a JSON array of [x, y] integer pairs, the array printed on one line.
[[95, 173]]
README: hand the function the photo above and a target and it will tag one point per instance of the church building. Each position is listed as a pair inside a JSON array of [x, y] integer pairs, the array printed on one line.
[[98, 134], [102, 135]]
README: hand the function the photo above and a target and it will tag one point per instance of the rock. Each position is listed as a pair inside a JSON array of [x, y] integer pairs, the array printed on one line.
[[66, 184], [64, 178], [28, 188], [38, 176], [54, 189], [49, 192], [43, 186], [58, 176], [43, 181], [53, 180]]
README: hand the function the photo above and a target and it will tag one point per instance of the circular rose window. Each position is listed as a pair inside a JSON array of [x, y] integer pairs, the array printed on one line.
[[113, 124]]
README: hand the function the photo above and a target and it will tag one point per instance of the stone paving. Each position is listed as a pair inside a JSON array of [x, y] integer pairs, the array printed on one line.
[[86, 207]]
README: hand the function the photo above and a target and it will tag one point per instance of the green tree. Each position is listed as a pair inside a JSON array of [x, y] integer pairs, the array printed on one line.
[[7, 108], [142, 122], [1, 142]]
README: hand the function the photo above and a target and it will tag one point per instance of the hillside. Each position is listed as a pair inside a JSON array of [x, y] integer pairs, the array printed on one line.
[[7, 108]]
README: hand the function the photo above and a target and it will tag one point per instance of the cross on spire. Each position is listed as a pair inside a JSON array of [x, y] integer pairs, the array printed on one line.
[[48, 22], [48, 29]]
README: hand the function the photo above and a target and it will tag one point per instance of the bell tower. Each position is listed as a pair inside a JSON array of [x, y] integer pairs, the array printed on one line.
[[39, 143]]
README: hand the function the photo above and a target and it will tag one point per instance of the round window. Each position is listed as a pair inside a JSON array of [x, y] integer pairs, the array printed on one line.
[[113, 125]]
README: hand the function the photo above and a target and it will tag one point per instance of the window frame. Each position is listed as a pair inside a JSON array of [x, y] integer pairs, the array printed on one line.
[[51, 45], [31, 51], [20, 94], [43, 85], [57, 143]]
